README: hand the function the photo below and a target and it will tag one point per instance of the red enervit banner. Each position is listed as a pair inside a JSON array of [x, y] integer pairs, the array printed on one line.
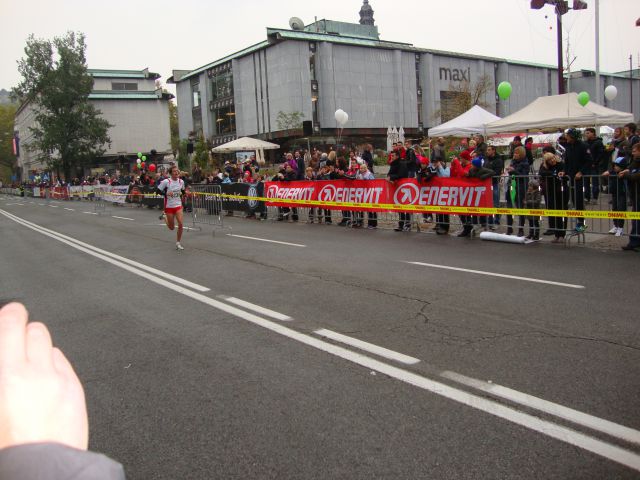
[[439, 191]]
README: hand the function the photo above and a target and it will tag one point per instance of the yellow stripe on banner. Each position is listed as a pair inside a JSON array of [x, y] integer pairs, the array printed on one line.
[[437, 209]]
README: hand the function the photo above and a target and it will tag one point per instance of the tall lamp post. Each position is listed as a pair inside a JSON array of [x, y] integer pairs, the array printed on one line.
[[561, 7]]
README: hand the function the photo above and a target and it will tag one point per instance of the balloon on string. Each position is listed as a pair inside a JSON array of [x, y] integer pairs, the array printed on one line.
[[152, 168], [142, 164], [611, 92], [341, 117], [144, 158], [583, 98], [504, 90], [138, 161], [139, 154]]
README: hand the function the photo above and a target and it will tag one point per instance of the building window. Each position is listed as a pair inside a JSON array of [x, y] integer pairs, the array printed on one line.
[[225, 120], [222, 85], [124, 86], [195, 95]]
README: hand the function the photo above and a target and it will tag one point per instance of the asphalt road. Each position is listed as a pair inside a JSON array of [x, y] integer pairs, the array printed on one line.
[[499, 377]]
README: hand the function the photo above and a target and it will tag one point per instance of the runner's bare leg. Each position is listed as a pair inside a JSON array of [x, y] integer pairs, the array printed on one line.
[[179, 218], [170, 221]]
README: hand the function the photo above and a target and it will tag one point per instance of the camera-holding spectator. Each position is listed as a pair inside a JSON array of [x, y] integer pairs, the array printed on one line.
[[556, 193]]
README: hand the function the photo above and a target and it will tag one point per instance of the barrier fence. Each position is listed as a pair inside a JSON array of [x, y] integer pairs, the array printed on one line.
[[602, 204], [207, 205]]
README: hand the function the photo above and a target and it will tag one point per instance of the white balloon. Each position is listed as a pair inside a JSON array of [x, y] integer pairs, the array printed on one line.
[[611, 92], [341, 117]]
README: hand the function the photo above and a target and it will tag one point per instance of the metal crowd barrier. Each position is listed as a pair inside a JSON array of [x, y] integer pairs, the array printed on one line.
[[206, 206], [99, 201]]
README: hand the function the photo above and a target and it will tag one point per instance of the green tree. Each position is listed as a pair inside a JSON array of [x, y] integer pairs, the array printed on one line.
[[173, 126], [289, 121], [68, 131], [7, 158], [461, 97]]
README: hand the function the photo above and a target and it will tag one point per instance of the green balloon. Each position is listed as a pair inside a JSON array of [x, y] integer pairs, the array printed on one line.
[[139, 154], [144, 158], [583, 98], [504, 90]]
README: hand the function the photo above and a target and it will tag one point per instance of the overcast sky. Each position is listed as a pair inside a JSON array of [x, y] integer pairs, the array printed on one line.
[[185, 34]]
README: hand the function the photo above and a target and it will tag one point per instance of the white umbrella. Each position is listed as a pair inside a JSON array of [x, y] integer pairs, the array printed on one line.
[[389, 138], [245, 144], [401, 135]]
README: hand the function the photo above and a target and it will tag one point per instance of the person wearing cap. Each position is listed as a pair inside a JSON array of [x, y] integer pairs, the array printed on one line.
[[517, 142], [632, 175], [618, 191], [577, 162]]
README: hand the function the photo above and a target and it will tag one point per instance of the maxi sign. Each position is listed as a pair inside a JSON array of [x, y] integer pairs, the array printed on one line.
[[380, 195]]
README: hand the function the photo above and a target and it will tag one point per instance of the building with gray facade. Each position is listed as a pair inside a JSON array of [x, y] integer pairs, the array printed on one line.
[[328, 65], [131, 102]]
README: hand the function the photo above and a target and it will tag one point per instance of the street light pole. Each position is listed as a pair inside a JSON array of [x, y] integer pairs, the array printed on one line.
[[598, 91], [560, 65]]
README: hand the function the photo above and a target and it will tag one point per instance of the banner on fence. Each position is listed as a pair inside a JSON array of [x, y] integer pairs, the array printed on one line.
[[351, 194], [115, 193], [242, 200]]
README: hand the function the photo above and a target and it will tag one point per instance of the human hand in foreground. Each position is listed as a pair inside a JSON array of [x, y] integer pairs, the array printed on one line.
[[41, 398]]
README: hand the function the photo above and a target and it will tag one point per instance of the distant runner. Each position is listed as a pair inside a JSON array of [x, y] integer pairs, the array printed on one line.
[[173, 189]]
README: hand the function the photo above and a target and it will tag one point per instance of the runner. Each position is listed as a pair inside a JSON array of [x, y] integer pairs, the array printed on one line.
[[173, 189]]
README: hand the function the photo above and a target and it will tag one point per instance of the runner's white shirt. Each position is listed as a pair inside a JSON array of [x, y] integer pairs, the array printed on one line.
[[174, 190]]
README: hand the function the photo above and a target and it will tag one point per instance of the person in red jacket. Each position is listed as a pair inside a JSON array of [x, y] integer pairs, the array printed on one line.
[[460, 169]]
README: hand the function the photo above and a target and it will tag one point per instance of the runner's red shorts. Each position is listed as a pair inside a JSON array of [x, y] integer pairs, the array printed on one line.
[[173, 210]]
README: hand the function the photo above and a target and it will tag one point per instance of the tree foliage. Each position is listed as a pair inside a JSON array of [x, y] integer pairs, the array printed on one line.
[[173, 126], [289, 121], [462, 96], [68, 131], [7, 158]]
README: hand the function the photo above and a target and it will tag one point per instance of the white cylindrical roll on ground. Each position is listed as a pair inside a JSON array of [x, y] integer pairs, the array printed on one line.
[[501, 237]]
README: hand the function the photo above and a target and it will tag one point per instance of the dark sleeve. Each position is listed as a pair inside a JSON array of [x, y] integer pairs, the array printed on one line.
[[56, 462]]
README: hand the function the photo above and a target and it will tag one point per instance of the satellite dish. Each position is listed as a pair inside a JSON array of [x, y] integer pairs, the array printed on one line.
[[296, 24]]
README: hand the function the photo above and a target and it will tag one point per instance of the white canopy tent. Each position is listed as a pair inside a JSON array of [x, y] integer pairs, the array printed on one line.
[[471, 122], [557, 112], [247, 144]]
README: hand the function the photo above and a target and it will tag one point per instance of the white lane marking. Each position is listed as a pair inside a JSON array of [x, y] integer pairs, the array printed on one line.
[[70, 209], [90, 213], [575, 416], [53, 206], [256, 308], [138, 265], [123, 218], [265, 240], [42, 204], [564, 434], [367, 347], [513, 277]]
